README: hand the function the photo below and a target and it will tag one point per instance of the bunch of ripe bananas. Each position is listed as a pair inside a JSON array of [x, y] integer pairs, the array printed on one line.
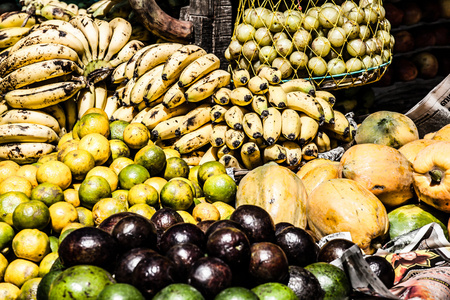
[[55, 73]]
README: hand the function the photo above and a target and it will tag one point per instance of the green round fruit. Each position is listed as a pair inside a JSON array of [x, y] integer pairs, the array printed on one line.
[[410, 217], [209, 169], [178, 291], [176, 167], [80, 282], [152, 157], [332, 280], [120, 291], [44, 286], [117, 127], [236, 293], [274, 290], [93, 189], [131, 175]]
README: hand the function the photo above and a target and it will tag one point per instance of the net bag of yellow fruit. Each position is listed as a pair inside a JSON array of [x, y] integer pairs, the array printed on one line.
[[336, 43]]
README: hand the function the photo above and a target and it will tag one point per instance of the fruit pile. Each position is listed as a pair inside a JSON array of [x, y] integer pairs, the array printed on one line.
[[323, 40]]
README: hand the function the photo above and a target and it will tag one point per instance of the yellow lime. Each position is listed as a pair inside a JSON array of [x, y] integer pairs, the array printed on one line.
[[117, 127], [61, 214], [66, 148], [21, 270], [156, 182], [177, 194], [187, 217], [193, 174], [16, 184], [209, 169], [31, 244], [75, 130], [96, 110], [85, 216], [55, 172], [106, 173], [3, 265], [28, 172], [79, 162], [136, 135], [205, 211], [9, 291], [8, 203], [120, 194], [46, 263], [73, 225], [143, 209], [93, 123], [143, 193], [66, 137], [176, 167], [152, 158], [97, 145], [48, 157], [107, 207], [119, 163], [92, 189], [6, 236], [171, 153], [224, 209], [48, 193], [29, 289], [131, 175], [32, 214], [71, 196], [119, 149], [220, 187], [8, 168]]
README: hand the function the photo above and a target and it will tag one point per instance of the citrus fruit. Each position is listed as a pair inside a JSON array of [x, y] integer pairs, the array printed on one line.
[[156, 182], [8, 168], [55, 172], [8, 203], [31, 244], [75, 130], [119, 149], [136, 135], [71, 196], [16, 184], [179, 291], [143, 209], [48, 157], [119, 163], [410, 217], [48, 193], [205, 211], [120, 194], [220, 187], [73, 225], [61, 214], [93, 189], [198, 191], [66, 137], [107, 207], [131, 175], [122, 291], [117, 127], [143, 193], [193, 174], [46, 263], [106, 173], [177, 194], [85, 216], [152, 158], [93, 123], [97, 145], [332, 279], [187, 217], [176, 167], [32, 214], [209, 169], [9, 291], [274, 290], [3, 265], [29, 289], [79, 162], [20, 270], [28, 172], [96, 110], [45, 284], [80, 282], [6, 235], [171, 153], [224, 209], [66, 148]]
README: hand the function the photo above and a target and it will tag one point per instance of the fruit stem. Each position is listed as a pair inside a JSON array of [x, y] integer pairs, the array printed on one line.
[[436, 175]]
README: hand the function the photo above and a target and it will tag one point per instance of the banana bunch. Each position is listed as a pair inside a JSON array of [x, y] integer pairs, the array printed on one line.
[[110, 9], [52, 9], [14, 26]]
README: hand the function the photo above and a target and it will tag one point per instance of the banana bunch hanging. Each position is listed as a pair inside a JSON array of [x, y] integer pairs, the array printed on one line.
[[55, 73]]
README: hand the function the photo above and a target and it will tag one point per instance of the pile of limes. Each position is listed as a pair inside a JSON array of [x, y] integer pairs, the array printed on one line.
[[100, 168]]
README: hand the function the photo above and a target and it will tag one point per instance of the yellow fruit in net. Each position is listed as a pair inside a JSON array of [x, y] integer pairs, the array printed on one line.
[[16, 184], [61, 214], [21, 270], [55, 172], [31, 244]]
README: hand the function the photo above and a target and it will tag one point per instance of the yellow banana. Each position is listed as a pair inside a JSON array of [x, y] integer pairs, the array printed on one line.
[[101, 93], [327, 96], [234, 117], [159, 113], [86, 100], [10, 36], [252, 125], [222, 96], [299, 85], [125, 113], [174, 96], [142, 85], [224, 150], [310, 151], [218, 113], [90, 31], [323, 142], [307, 104], [198, 68], [251, 155], [272, 126], [241, 96], [272, 75], [206, 86], [59, 114], [291, 124], [258, 85], [308, 129], [167, 129], [218, 135], [29, 116], [210, 155], [155, 56], [112, 104], [234, 138], [179, 60], [293, 153], [275, 153], [27, 132], [341, 125], [193, 158], [71, 111], [127, 52], [121, 32], [25, 153], [260, 105], [118, 75], [131, 64], [141, 114], [16, 19], [229, 161], [277, 97], [328, 111], [125, 97], [194, 140], [240, 77], [194, 119], [104, 37], [54, 12]]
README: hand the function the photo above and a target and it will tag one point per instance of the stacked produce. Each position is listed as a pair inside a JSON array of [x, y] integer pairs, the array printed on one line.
[[320, 41]]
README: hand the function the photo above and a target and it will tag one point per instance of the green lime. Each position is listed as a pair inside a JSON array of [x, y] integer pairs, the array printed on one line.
[[179, 291], [117, 128], [93, 123], [177, 194], [47, 192], [29, 289], [152, 157], [93, 189], [6, 235], [274, 290], [32, 214], [220, 187], [118, 149], [193, 174], [236, 293], [120, 291], [85, 216], [44, 285], [143, 193], [120, 194], [131, 175], [209, 169], [332, 279], [176, 167], [8, 203], [107, 207]]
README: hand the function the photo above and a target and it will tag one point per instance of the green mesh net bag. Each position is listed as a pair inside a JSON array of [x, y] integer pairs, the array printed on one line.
[[336, 44]]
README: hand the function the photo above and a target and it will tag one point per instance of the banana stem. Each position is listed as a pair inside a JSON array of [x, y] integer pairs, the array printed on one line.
[[161, 24], [436, 175]]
